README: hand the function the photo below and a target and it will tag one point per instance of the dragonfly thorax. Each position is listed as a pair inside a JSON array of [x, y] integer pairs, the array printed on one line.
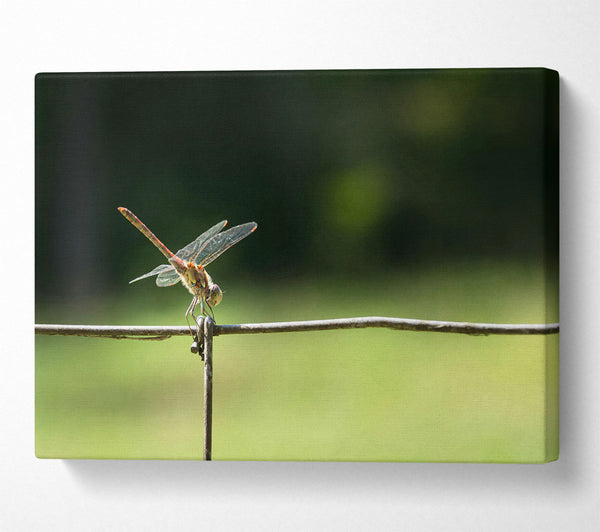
[[198, 282]]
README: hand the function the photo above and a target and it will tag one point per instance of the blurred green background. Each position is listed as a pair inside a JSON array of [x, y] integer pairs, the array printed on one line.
[[426, 194]]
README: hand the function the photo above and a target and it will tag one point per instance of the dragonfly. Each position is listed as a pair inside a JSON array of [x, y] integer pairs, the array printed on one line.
[[188, 264]]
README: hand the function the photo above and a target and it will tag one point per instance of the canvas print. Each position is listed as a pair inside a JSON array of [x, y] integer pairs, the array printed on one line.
[[297, 265]]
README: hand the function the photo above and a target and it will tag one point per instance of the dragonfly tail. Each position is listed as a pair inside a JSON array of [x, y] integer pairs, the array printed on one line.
[[135, 221]]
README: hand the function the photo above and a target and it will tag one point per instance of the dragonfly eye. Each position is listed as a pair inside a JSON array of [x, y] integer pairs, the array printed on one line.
[[215, 295]]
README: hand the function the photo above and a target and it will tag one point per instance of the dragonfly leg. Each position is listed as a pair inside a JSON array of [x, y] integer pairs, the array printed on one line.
[[189, 311], [198, 344], [212, 313], [210, 310]]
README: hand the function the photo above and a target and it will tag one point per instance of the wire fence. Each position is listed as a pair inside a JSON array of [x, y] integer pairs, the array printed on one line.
[[402, 324], [207, 329]]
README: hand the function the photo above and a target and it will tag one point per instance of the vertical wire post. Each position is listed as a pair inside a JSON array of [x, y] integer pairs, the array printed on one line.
[[208, 380]]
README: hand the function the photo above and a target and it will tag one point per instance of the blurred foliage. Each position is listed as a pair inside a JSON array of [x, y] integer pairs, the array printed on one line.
[[344, 171]]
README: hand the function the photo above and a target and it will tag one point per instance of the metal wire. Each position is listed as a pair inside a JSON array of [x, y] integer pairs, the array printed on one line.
[[163, 332]]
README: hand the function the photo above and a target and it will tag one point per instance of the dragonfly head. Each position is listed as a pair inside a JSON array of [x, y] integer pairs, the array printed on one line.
[[213, 294]]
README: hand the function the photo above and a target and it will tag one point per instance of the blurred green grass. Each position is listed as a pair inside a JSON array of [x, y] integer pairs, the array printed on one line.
[[370, 394]]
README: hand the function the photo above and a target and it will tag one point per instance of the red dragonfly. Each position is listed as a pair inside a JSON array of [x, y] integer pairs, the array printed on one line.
[[187, 265]]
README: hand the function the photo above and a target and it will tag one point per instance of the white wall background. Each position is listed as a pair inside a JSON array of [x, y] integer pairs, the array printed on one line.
[[64, 35]]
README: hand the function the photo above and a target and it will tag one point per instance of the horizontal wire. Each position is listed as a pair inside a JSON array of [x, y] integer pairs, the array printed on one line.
[[163, 332]]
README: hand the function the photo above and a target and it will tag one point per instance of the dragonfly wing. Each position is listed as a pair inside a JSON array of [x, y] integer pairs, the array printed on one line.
[[191, 251], [168, 278], [158, 270], [222, 242]]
